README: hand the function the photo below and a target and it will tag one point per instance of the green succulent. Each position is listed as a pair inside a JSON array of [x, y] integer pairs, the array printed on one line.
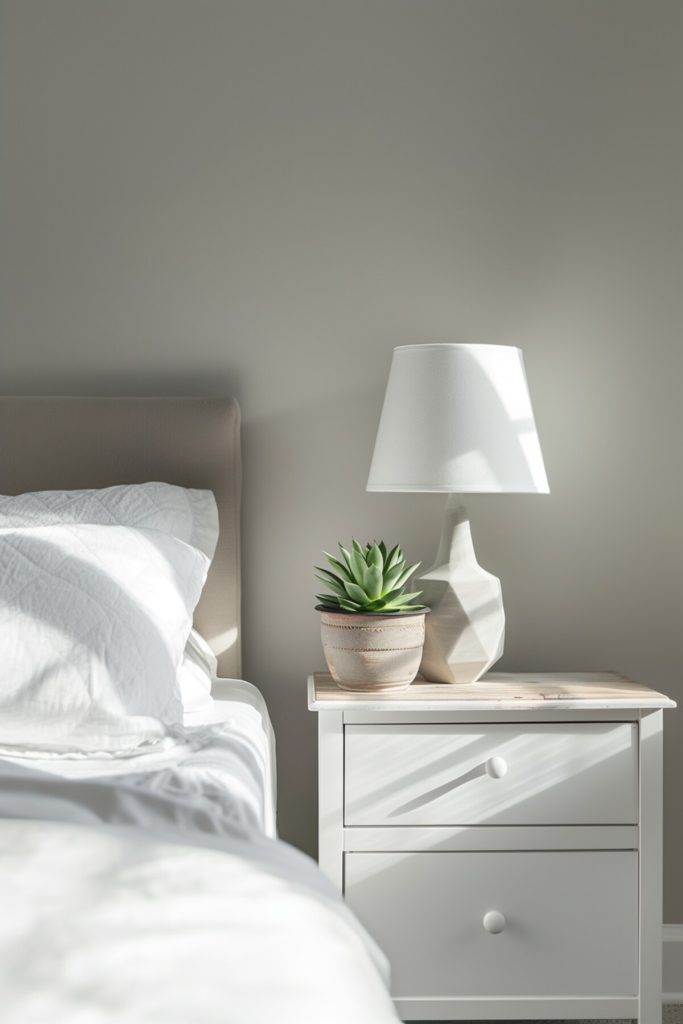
[[368, 579]]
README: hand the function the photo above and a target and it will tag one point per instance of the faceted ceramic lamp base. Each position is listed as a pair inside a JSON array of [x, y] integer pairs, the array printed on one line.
[[465, 630]]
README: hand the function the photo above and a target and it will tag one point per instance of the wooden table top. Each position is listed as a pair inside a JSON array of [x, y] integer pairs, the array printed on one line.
[[496, 691]]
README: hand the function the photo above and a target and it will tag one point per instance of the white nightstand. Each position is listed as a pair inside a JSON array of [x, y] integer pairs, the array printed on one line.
[[501, 841]]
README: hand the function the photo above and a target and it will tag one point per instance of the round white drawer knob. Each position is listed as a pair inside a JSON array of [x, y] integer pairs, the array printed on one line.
[[496, 767], [494, 922]]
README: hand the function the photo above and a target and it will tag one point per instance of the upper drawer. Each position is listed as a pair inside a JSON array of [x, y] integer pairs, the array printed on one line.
[[540, 774]]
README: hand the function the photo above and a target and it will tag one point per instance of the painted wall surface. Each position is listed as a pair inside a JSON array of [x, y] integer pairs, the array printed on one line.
[[263, 197]]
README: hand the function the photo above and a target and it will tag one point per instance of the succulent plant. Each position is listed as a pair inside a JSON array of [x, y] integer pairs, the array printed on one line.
[[367, 579]]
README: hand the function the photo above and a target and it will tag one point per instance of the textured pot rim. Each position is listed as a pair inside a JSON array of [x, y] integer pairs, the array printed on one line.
[[372, 615]]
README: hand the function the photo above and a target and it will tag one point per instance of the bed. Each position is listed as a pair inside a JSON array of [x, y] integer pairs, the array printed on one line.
[[149, 885]]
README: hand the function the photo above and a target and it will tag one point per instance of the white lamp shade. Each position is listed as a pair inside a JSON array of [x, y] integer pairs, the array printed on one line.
[[457, 418]]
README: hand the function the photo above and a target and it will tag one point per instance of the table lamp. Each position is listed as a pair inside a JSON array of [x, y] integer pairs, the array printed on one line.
[[457, 419]]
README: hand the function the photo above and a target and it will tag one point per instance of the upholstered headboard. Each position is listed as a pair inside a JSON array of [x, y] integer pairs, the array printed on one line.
[[69, 443]]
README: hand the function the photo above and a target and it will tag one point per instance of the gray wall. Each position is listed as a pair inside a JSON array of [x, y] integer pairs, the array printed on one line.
[[265, 197]]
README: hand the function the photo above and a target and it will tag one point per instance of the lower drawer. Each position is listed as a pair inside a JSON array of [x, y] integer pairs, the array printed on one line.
[[569, 921]]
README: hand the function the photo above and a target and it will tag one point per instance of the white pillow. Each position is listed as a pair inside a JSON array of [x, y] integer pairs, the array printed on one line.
[[93, 623], [188, 514], [94, 618]]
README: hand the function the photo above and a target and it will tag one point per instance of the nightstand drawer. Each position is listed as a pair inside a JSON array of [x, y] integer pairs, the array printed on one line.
[[539, 774], [569, 921]]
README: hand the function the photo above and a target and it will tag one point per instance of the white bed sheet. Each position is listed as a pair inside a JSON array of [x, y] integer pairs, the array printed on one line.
[[241, 706], [229, 743]]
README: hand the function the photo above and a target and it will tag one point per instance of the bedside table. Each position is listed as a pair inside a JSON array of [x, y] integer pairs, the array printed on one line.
[[502, 841]]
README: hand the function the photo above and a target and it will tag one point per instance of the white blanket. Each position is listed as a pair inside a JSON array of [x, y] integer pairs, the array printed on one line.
[[101, 925], [149, 891]]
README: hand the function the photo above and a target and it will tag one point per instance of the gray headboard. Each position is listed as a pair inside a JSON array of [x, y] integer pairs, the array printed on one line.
[[55, 443]]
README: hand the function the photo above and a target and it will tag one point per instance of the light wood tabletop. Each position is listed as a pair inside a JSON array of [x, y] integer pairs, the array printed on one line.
[[502, 691]]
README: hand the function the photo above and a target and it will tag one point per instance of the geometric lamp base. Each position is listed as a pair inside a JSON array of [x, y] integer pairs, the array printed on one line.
[[465, 629]]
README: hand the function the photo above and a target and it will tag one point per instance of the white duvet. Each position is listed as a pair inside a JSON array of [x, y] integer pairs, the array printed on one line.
[[101, 925], [148, 890]]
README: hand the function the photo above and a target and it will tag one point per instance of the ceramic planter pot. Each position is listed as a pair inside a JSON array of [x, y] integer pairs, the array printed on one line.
[[374, 651]]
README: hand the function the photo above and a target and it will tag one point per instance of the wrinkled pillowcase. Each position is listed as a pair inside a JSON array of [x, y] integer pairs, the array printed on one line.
[[188, 514], [94, 618]]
